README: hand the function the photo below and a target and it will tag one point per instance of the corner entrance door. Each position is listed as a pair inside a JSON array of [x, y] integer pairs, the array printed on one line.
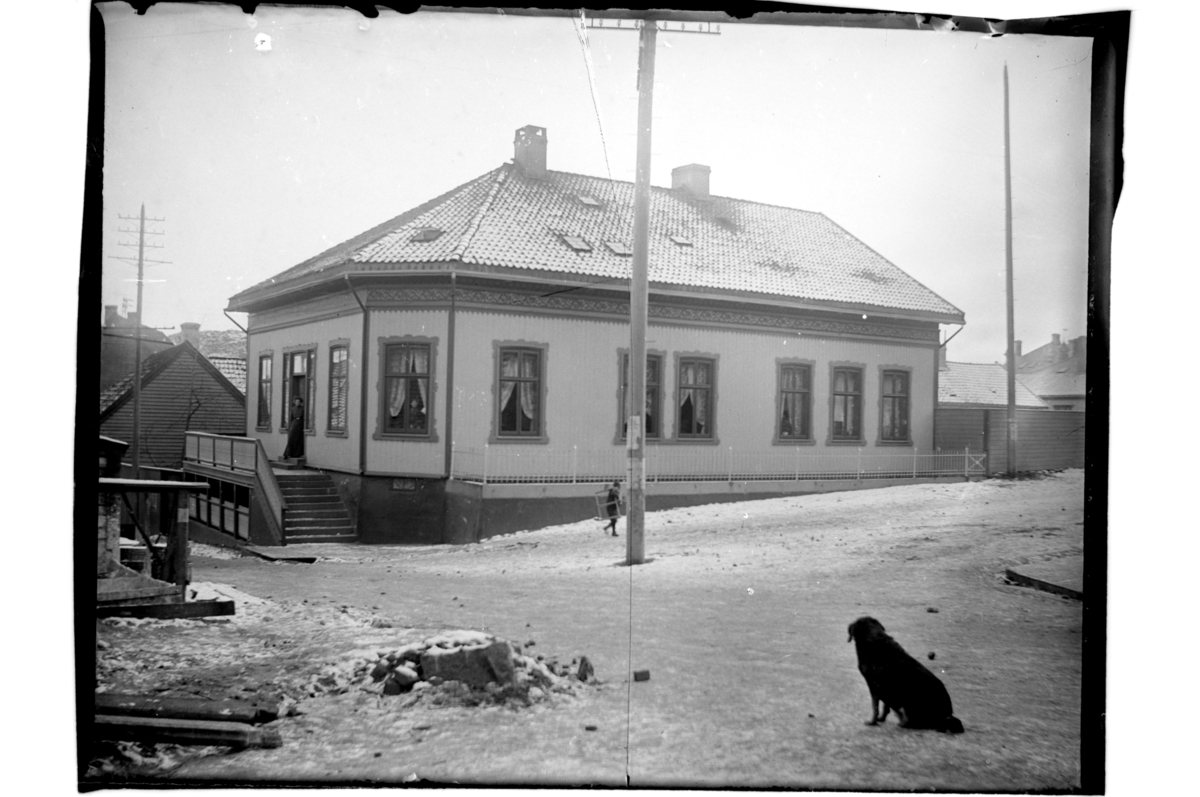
[[298, 367]]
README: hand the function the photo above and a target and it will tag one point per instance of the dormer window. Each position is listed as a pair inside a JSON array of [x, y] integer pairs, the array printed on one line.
[[619, 247], [680, 240], [577, 243], [590, 201], [425, 235]]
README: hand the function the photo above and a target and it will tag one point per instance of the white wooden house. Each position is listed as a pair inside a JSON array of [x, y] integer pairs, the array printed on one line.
[[463, 364]]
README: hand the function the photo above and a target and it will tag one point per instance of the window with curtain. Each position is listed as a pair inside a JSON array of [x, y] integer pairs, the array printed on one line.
[[264, 390], [895, 406], [406, 389], [795, 402], [695, 398], [847, 404], [650, 419], [520, 392], [339, 372]]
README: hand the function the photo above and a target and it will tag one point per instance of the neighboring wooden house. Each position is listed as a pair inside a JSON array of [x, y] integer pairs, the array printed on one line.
[[224, 348], [1057, 372], [464, 364], [118, 345], [972, 413], [181, 391]]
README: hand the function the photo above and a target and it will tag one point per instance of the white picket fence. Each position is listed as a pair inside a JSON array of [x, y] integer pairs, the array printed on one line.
[[527, 464]]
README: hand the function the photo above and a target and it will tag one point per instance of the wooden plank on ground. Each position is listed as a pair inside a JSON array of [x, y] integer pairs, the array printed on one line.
[[113, 728], [114, 590], [186, 708], [271, 556], [170, 611]]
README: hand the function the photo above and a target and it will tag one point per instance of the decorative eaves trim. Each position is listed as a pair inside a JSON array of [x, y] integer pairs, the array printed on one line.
[[702, 316]]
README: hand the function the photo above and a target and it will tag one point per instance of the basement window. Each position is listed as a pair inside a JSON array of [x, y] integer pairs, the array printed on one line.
[[680, 240], [577, 243], [425, 235], [619, 247]]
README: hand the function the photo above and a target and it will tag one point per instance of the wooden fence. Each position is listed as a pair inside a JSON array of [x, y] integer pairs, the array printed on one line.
[[1046, 439]]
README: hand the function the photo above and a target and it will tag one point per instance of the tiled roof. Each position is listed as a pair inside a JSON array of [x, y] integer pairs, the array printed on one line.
[[234, 369], [508, 219], [981, 384], [1063, 379]]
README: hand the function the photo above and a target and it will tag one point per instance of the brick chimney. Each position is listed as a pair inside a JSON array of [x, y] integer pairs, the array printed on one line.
[[691, 179], [942, 358], [529, 150], [110, 315], [191, 333], [1078, 348]]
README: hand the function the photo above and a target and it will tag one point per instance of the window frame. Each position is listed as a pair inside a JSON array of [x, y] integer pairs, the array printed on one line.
[[330, 429], [542, 435], [264, 402], [884, 372], [833, 438], [713, 361], [381, 430], [811, 366], [310, 400], [623, 386]]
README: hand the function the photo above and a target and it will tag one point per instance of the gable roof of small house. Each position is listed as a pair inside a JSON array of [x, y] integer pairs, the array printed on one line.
[[1059, 380], [216, 343], [508, 219], [981, 385], [121, 391]]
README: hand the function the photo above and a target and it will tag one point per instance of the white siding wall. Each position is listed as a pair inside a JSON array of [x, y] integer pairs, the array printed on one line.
[[409, 457], [342, 321], [582, 386]]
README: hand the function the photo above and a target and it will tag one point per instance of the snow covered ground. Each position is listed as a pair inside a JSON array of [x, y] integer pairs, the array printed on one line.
[[739, 614]]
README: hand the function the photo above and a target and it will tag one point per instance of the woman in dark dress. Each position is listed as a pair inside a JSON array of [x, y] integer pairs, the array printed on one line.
[[295, 440]]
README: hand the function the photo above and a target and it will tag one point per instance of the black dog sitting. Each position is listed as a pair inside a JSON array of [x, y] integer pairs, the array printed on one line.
[[900, 682]]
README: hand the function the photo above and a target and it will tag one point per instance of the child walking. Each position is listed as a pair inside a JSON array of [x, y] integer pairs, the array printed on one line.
[[612, 504]]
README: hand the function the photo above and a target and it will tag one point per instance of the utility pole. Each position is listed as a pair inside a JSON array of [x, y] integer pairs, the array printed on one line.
[[142, 232], [1011, 436], [639, 293]]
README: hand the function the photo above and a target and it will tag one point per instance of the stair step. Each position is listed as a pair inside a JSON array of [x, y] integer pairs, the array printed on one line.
[[315, 500], [320, 510], [312, 522], [320, 528], [293, 539]]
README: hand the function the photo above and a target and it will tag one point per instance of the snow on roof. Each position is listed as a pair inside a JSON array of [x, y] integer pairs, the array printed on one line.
[[981, 384], [508, 219]]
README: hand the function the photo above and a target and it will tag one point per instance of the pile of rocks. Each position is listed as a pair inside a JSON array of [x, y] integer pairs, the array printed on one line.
[[464, 667]]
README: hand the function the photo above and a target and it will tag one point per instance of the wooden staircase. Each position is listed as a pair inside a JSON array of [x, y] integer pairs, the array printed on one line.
[[315, 512]]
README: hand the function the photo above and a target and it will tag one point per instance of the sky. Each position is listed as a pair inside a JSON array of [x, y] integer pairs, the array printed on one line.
[[257, 159]]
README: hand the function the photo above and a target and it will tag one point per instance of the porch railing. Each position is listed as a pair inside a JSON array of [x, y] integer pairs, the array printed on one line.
[[242, 455], [523, 464]]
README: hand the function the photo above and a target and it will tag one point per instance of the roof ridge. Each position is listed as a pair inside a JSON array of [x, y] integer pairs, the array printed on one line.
[[499, 179], [611, 180]]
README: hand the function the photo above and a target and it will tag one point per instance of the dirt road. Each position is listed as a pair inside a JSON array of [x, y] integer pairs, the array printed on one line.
[[739, 614]]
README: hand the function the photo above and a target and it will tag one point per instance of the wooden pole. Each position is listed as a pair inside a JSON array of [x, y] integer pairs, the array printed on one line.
[[179, 536], [635, 543], [1008, 277], [137, 355]]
